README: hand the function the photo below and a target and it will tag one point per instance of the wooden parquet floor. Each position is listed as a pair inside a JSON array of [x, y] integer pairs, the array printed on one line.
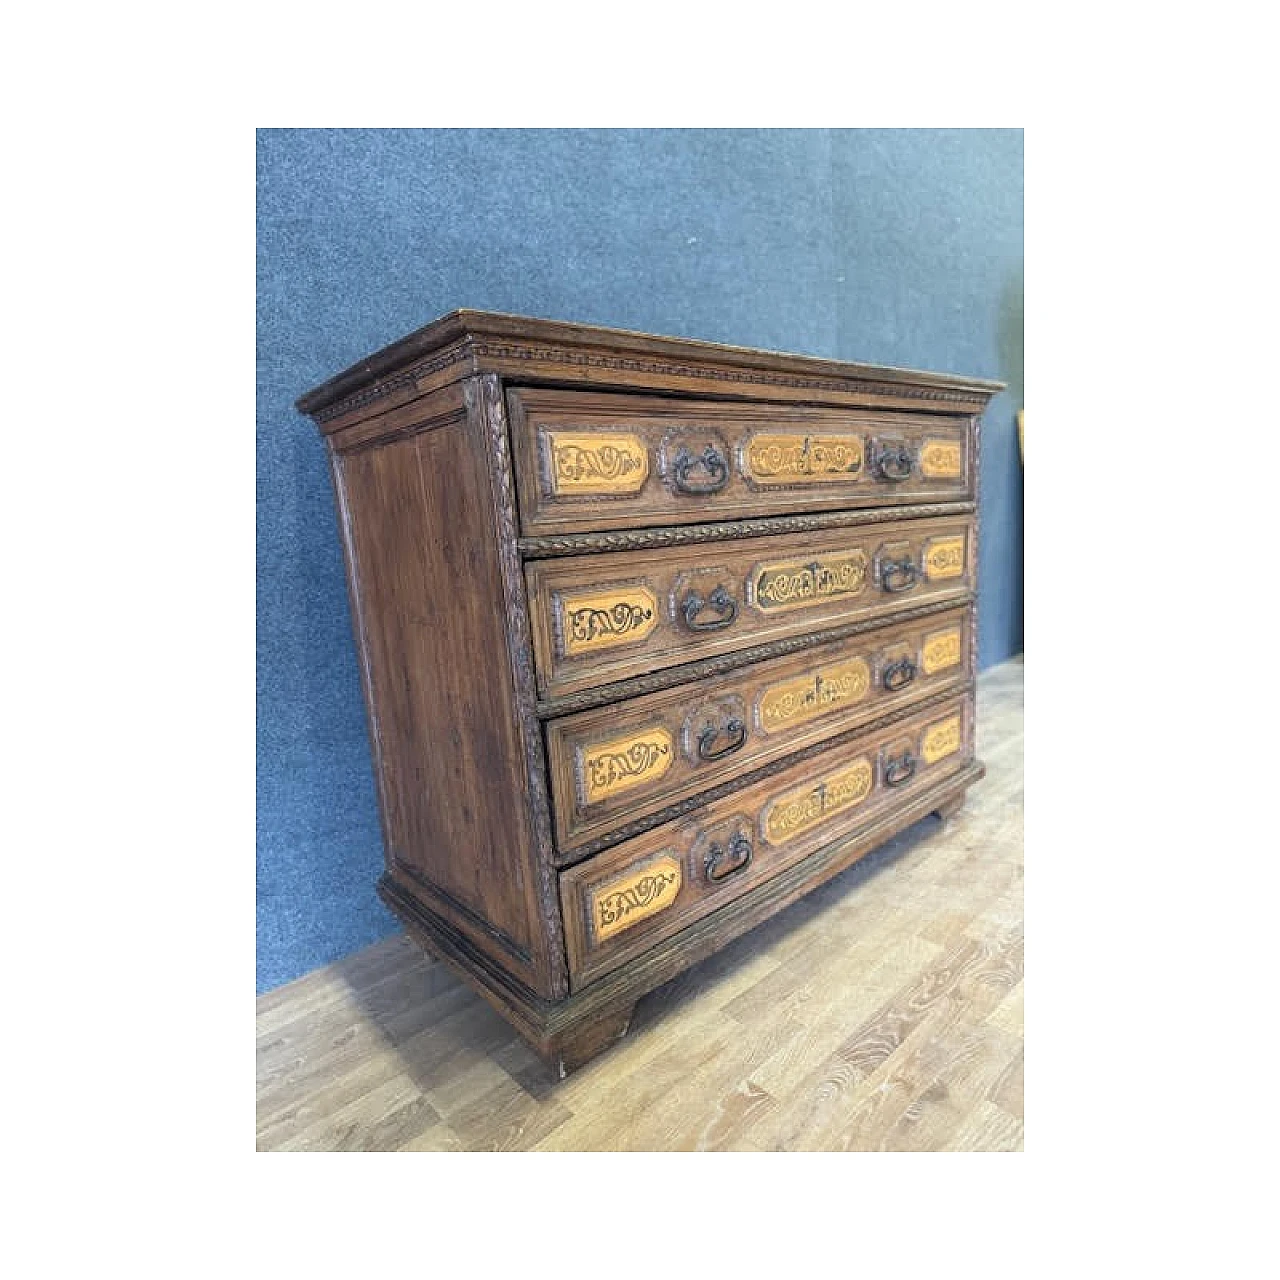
[[881, 1013]]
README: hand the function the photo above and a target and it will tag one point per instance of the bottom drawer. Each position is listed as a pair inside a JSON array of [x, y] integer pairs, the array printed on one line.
[[623, 901]]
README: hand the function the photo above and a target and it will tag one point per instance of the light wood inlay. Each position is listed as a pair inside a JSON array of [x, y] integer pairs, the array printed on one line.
[[941, 459], [795, 584], [884, 1012], [803, 808], [618, 904], [944, 558], [622, 763], [596, 463], [941, 651], [830, 688], [941, 740], [593, 620], [801, 459]]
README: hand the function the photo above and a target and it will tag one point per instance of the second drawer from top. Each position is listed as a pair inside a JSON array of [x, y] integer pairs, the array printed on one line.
[[597, 619]]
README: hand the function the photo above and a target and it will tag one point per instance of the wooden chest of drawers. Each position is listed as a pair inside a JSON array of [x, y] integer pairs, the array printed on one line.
[[656, 636]]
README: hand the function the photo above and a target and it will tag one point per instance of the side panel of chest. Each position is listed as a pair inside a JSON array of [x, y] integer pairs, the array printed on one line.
[[422, 541]]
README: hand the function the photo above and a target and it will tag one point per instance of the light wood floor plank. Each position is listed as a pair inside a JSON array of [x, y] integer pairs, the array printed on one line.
[[882, 1012]]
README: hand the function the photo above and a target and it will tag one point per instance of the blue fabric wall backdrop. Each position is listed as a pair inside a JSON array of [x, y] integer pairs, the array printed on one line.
[[899, 247]]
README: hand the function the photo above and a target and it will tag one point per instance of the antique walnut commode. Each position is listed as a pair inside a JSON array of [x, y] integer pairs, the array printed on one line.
[[656, 636]]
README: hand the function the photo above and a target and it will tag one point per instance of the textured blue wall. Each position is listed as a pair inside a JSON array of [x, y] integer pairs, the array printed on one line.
[[898, 247]]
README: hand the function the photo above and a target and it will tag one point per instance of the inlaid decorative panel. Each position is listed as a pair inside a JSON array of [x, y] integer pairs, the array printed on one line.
[[594, 620], [596, 462], [941, 739], [607, 768], [832, 687], [941, 460], [587, 461], [602, 618], [794, 584], [620, 904], [798, 810], [801, 459], [941, 650], [944, 558]]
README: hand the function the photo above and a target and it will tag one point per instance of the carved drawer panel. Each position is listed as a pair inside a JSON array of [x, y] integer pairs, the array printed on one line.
[[617, 764], [590, 461], [646, 889], [601, 618]]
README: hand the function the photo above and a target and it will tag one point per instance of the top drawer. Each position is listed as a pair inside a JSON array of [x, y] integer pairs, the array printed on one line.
[[588, 460]]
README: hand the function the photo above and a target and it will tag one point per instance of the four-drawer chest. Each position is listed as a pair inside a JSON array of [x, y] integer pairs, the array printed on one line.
[[655, 635]]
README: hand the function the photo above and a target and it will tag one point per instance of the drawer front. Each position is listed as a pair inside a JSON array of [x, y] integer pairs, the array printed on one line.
[[597, 619], [640, 892], [616, 764], [586, 460]]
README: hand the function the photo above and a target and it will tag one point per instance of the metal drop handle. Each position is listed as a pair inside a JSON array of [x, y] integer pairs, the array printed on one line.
[[898, 575], [724, 862], [897, 675], [734, 730], [900, 769], [724, 605], [707, 472], [894, 462]]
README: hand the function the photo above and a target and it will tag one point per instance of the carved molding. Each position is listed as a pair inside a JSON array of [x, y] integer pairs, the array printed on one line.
[[470, 349], [388, 386], [484, 397], [542, 548]]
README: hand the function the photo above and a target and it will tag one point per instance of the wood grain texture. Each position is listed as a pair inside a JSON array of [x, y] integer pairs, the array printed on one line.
[[881, 1012], [445, 748]]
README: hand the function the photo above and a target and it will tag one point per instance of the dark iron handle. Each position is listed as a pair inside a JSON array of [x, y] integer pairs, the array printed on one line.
[[899, 770], [898, 575], [897, 675], [710, 461], [894, 462], [719, 600], [735, 730], [722, 863]]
